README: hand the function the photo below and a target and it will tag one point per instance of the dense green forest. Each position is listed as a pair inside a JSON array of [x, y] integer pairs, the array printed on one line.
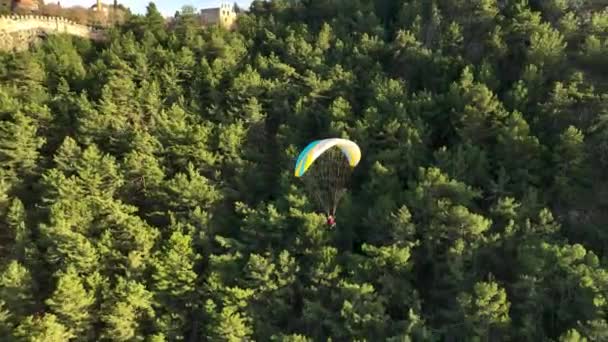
[[147, 189]]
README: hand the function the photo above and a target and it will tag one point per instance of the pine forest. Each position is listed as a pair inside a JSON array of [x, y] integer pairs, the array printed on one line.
[[147, 188]]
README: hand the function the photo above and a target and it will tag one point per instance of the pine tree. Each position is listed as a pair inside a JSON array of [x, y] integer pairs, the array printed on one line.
[[19, 144], [22, 246], [17, 290], [44, 328], [125, 310], [175, 284], [486, 308], [71, 302]]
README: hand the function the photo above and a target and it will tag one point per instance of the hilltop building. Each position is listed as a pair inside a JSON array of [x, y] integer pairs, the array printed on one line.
[[24, 6], [104, 9], [106, 14], [225, 15]]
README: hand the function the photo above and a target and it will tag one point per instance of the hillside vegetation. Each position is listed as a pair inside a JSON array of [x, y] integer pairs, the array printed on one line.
[[147, 189]]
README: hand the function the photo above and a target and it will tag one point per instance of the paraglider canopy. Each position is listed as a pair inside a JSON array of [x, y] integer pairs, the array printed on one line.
[[316, 148], [325, 167]]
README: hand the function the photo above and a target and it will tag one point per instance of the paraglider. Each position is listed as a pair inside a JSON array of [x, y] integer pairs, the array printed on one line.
[[326, 180]]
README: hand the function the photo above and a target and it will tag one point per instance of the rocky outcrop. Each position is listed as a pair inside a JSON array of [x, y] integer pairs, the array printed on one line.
[[18, 32], [20, 40]]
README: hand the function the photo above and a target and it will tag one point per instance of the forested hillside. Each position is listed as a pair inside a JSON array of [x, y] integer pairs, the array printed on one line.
[[147, 189]]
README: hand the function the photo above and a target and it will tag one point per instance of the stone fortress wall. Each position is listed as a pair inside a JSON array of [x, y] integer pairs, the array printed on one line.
[[17, 32], [49, 25]]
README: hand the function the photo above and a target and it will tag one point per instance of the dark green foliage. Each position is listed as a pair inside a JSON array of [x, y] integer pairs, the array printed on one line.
[[146, 188]]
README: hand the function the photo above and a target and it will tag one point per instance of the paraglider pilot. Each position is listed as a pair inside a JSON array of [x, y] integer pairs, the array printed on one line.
[[331, 221]]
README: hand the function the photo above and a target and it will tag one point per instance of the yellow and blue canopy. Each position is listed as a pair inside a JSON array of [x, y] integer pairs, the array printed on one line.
[[318, 147]]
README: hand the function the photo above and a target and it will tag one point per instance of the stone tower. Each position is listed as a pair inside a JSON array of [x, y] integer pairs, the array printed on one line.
[[224, 16]]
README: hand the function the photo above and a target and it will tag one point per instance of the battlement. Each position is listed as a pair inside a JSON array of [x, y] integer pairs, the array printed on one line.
[[9, 18], [15, 23]]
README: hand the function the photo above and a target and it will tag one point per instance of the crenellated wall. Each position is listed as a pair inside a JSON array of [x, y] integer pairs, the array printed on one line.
[[49, 25]]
